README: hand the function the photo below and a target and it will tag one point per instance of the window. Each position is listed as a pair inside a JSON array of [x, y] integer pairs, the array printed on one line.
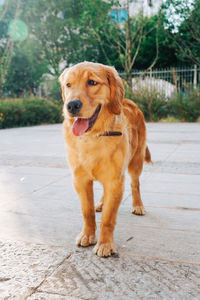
[[119, 15]]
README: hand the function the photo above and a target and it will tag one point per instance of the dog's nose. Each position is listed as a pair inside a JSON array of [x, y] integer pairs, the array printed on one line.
[[74, 107]]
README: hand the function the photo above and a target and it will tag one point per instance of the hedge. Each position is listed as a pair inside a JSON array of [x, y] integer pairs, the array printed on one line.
[[154, 105], [27, 112]]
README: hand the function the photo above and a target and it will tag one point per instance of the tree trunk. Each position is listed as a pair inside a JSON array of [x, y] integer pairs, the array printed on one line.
[[129, 80]]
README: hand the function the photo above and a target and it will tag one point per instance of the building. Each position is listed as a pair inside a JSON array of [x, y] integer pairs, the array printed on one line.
[[147, 7]]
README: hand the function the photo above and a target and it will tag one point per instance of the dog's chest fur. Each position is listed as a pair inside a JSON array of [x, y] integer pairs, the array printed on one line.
[[97, 155]]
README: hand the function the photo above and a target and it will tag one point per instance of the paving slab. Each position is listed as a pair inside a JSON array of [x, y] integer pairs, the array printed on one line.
[[40, 216], [87, 277], [25, 266]]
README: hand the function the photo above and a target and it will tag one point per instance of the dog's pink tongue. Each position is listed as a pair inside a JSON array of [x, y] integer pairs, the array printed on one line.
[[80, 126]]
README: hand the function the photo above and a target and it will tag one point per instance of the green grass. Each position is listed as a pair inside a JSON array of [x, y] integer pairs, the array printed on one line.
[[170, 119]]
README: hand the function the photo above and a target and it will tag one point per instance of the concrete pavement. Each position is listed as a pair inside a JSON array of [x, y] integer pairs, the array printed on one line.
[[40, 216]]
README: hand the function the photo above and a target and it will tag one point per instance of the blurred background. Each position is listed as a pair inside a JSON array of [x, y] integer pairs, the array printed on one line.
[[154, 45]]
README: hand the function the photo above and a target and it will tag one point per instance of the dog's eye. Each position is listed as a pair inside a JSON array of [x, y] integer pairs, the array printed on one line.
[[92, 82], [68, 84]]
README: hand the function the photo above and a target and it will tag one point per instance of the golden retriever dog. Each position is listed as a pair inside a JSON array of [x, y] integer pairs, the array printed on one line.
[[105, 134]]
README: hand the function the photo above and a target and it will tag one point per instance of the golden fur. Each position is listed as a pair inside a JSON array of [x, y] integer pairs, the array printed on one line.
[[92, 156]]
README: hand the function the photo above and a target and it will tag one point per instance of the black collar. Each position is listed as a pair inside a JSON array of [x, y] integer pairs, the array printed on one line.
[[111, 133]]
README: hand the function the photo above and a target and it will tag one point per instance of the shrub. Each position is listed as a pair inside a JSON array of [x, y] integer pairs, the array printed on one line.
[[186, 106], [155, 106], [26, 112], [152, 103]]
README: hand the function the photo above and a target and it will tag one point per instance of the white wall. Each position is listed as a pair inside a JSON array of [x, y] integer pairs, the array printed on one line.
[[142, 5]]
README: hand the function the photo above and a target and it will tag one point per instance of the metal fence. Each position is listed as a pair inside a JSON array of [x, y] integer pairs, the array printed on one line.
[[169, 80]]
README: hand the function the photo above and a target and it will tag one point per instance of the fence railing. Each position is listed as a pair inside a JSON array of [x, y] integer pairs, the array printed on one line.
[[169, 80]]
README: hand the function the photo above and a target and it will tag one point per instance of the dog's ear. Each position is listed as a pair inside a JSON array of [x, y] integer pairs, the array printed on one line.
[[61, 79], [116, 91]]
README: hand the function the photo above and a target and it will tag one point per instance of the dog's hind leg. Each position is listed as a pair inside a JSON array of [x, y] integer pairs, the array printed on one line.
[[99, 205], [135, 168]]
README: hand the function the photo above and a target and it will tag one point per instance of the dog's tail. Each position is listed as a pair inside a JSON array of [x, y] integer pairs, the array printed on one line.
[[147, 157]]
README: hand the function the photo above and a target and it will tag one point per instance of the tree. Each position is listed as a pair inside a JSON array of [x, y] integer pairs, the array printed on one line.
[[22, 62], [134, 33], [184, 28], [166, 53], [25, 70], [8, 11], [54, 25], [122, 42], [95, 25], [62, 33]]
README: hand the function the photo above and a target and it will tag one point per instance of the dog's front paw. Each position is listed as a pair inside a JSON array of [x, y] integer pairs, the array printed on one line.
[[139, 210], [85, 240], [105, 249]]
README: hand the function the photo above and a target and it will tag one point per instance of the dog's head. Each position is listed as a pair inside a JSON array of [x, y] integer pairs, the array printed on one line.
[[86, 88]]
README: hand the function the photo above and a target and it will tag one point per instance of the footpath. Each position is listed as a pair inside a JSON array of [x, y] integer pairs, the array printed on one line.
[[40, 216]]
